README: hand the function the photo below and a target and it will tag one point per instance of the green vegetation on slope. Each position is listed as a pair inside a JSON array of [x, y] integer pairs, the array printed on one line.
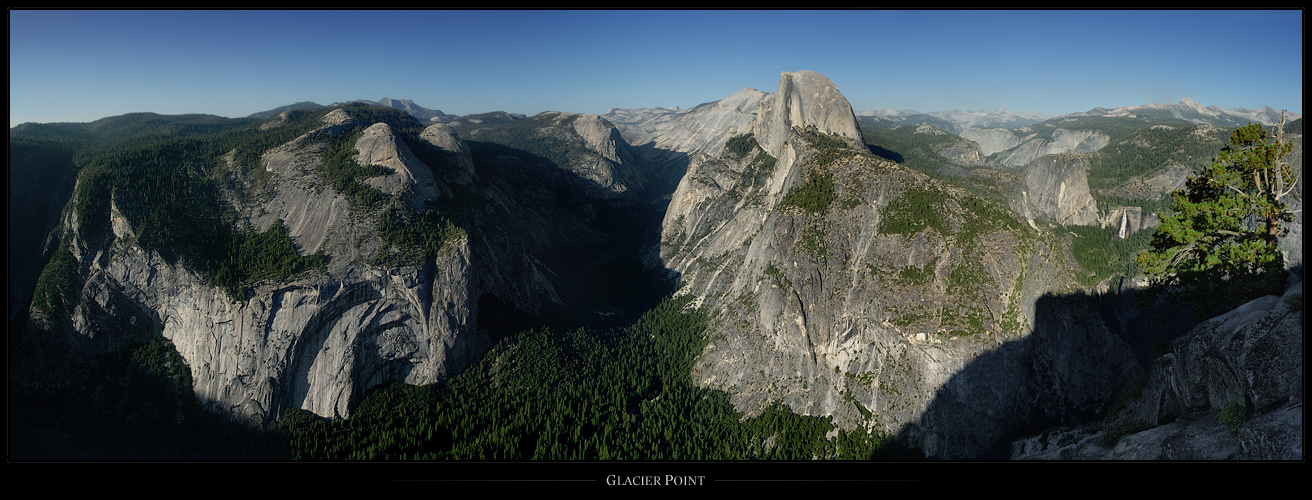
[[1116, 128], [165, 192], [915, 209], [755, 174], [403, 124], [829, 147], [740, 145], [166, 175], [818, 191], [918, 275], [981, 217], [411, 236], [169, 177], [261, 256], [972, 225], [136, 404], [1103, 255], [813, 242], [342, 172], [59, 285], [812, 196], [906, 146], [1148, 149], [161, 189]]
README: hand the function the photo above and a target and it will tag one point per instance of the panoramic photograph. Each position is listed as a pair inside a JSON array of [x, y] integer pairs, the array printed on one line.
[[655, 249]]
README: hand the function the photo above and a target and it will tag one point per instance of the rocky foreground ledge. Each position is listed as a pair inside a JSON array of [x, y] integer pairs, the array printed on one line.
[[1230, 389]]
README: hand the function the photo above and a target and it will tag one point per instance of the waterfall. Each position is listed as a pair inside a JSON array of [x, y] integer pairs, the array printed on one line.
[[1125, 224]]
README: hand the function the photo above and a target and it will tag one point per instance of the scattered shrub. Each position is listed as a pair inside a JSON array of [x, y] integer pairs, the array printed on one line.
[[1233, 415]]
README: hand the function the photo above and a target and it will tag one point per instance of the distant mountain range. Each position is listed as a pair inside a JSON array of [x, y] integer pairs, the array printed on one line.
[[428, 116], [951, 120], [956, 121], [1187, 109], [425, 115], [1191, 111]]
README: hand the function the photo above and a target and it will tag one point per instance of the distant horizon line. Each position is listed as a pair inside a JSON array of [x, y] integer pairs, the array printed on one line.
[[1294, 114]]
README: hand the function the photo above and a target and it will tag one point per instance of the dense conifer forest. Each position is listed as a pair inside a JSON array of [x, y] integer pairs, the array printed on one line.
[[541, 394]]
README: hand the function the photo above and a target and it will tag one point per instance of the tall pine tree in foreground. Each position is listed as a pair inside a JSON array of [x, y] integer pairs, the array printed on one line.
[[1216, 246]]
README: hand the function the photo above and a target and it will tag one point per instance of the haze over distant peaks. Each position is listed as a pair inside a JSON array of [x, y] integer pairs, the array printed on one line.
[[958, 120], [1187, 109], [1193, 111], [952, 120], [423, 114], [703, 127]]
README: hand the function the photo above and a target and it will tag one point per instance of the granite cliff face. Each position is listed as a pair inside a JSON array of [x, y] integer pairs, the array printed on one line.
[[587, 146], [704, 128], [845, 285], [457, 152], [318, 340], [314, 343], [1057, 189], [991, 140], [805, 99], [1062, 142], [407, 177]]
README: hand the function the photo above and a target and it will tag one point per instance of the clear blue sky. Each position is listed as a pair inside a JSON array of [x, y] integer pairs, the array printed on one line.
[[84, 65]]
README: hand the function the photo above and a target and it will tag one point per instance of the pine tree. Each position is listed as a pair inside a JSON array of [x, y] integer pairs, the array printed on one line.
[[1216, 247]]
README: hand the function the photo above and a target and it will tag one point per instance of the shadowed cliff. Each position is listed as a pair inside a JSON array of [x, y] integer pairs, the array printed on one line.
[[1070, 380]]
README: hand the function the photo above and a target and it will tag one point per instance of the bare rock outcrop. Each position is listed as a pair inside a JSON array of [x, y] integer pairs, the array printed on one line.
[[704, 128], [991, 140], [603, 167], [337, 117], [836, 311], [1062, 141], [610, 165], [804, 99], [315, 343], [297, 200], [460, 158], [407, 178], [1231, 388], [1057, 189]]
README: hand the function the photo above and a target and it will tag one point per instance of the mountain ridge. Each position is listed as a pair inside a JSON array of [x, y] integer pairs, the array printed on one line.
[[1187, 109], [839, 283], [959, 120]]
